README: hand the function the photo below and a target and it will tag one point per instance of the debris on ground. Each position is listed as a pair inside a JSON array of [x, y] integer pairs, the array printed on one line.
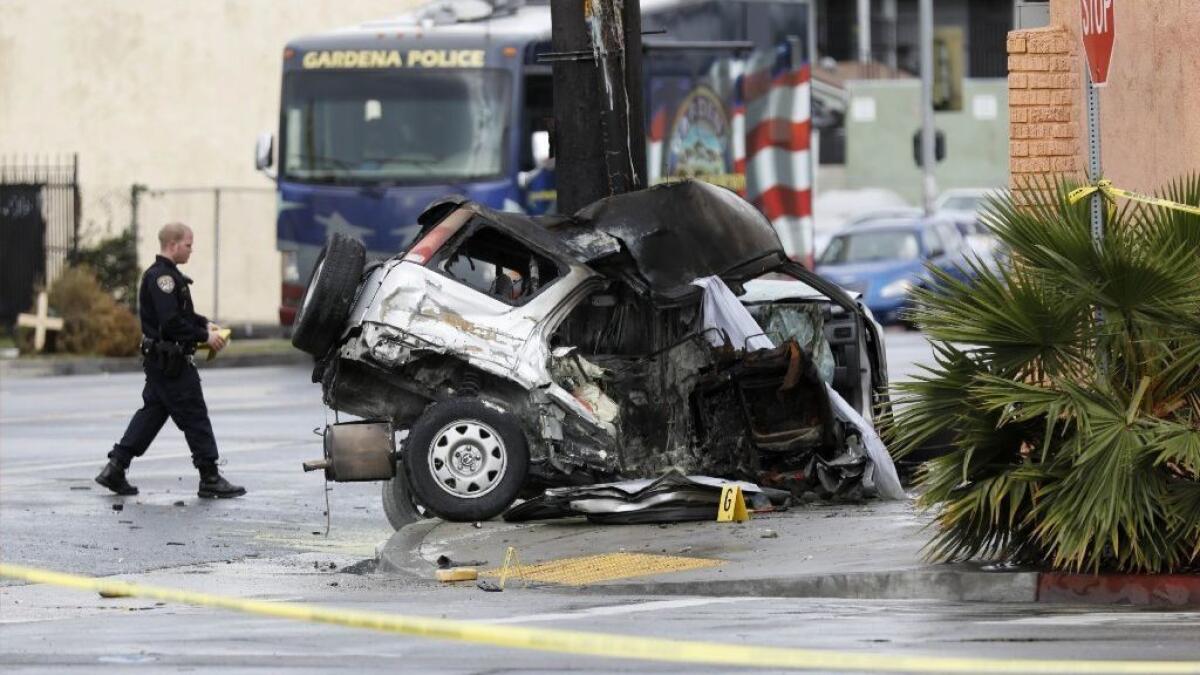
[[444, 562], [457, 574], [671, 498]]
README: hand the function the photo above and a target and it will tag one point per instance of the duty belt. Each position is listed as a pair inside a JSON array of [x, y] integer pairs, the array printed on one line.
[[151, 345]]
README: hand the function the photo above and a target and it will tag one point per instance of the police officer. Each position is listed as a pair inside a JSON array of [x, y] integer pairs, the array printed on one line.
[[170, 330]]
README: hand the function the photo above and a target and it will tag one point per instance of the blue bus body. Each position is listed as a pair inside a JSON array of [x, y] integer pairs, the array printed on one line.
[[379, 120]]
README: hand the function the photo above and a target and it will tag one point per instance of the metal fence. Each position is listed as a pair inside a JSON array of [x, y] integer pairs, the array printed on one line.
[[234, 261], [39, 225]]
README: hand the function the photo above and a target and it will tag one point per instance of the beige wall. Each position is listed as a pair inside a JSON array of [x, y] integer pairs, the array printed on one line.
[[168, 93], [1150, 109]]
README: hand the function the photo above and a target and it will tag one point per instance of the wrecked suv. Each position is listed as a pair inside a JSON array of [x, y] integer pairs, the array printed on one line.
[[659, 329]]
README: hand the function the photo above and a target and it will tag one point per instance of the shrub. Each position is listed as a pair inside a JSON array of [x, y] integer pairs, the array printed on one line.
[[114, 262], [1076, 440], [93, 321]]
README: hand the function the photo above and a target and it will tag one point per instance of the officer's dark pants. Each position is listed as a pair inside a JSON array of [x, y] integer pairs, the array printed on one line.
[[178, 398]]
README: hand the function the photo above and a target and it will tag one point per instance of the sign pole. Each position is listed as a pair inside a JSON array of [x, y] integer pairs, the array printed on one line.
[[1097, 205], [1093, 125]]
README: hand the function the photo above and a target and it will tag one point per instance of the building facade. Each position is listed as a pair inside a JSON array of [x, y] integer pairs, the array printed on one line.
[[169, 95], [1150, 132]]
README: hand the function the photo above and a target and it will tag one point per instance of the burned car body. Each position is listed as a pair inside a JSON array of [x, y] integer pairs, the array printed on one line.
[[521, 353]]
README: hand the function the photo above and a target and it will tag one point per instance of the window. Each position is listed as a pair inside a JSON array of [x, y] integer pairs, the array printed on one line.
[[860, 247], [401, 126], [495, 264]]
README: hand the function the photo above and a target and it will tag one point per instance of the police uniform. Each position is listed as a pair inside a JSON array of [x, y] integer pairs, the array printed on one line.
[[170, 330]]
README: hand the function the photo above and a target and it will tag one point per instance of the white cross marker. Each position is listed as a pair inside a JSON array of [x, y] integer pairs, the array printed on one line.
[[40, 322]]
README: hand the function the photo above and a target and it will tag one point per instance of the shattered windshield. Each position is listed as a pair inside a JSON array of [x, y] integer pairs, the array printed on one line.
[[406, 127]]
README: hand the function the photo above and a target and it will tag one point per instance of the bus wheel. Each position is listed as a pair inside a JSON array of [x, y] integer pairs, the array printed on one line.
[[329, 295]]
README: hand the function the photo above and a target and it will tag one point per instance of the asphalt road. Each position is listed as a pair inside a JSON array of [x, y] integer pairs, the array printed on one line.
[[272, 545]]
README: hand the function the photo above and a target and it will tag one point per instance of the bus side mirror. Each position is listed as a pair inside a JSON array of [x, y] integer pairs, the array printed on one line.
[[540, 144], [264, 151]]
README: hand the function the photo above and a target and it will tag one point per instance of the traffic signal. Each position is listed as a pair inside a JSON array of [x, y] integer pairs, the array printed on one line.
[[939, 146]]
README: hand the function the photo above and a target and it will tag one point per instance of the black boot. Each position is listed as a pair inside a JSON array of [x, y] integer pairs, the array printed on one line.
[[113, 478], [214, 486]]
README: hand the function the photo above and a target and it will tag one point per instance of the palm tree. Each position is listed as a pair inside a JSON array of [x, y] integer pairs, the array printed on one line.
[[1069, 379]]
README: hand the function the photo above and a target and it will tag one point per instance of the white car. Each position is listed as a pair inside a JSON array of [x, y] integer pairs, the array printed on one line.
[[520, 353], [962, 205]]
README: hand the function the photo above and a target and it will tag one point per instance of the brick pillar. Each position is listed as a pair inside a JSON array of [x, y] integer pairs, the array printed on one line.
[[1047, 133]]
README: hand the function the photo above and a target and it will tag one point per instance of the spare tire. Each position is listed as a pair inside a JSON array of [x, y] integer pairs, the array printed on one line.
[[331, 289]]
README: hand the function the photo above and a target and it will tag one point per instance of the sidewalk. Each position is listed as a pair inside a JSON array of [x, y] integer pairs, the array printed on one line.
[[242, 353], [865, 552]]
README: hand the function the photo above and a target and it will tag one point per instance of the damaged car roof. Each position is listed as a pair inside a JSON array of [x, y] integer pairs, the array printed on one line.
[[678, 232], [674, 232]]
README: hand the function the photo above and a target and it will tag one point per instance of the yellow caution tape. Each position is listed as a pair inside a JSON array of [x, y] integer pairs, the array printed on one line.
[[599, 644], [1110, 193]]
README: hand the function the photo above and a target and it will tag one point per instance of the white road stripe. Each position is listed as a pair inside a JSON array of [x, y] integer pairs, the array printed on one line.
[[99, 459], [126, 413], [617, 610]]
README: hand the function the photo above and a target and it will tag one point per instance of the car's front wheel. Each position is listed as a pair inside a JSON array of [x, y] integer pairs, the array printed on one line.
[[466, 460]]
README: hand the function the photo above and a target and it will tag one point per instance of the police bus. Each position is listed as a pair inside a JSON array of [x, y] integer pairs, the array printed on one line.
[[380, 119]]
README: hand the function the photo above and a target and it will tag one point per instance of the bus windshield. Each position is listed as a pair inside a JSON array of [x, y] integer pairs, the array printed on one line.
[[409, 126]]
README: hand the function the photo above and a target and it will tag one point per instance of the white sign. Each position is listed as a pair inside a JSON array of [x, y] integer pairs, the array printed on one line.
[[862, 109], [984, 107]]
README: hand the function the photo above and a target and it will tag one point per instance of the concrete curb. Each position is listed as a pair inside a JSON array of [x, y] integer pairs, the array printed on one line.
[[955, 585], [98, 365], [401, 553], [1154, 590]]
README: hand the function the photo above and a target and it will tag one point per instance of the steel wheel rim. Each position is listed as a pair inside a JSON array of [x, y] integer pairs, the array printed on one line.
[[467, 459], [308, 292]]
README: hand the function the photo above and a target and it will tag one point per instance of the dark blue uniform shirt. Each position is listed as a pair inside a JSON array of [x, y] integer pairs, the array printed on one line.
[[166, 305]]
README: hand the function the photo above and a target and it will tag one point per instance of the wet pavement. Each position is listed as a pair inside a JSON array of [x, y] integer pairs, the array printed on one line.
[[55, 432], [271, 545]]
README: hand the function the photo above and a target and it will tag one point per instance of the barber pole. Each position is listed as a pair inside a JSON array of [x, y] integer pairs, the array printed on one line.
[[757, 111], [775, 103]]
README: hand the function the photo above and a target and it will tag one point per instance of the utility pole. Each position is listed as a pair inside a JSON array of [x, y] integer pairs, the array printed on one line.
[[890, 16], [864, 31], [928, 182], [599, 119]]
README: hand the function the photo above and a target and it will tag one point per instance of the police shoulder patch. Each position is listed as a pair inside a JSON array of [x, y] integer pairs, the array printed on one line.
[[166, 283]]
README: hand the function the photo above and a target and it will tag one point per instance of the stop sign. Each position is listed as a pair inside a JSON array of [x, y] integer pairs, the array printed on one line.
[[1099, 30]]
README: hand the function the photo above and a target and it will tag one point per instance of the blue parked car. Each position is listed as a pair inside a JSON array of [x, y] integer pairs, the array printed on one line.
[[885, 259]]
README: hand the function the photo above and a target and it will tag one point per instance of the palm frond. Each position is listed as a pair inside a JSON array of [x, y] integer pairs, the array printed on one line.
[[1070, 384]]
